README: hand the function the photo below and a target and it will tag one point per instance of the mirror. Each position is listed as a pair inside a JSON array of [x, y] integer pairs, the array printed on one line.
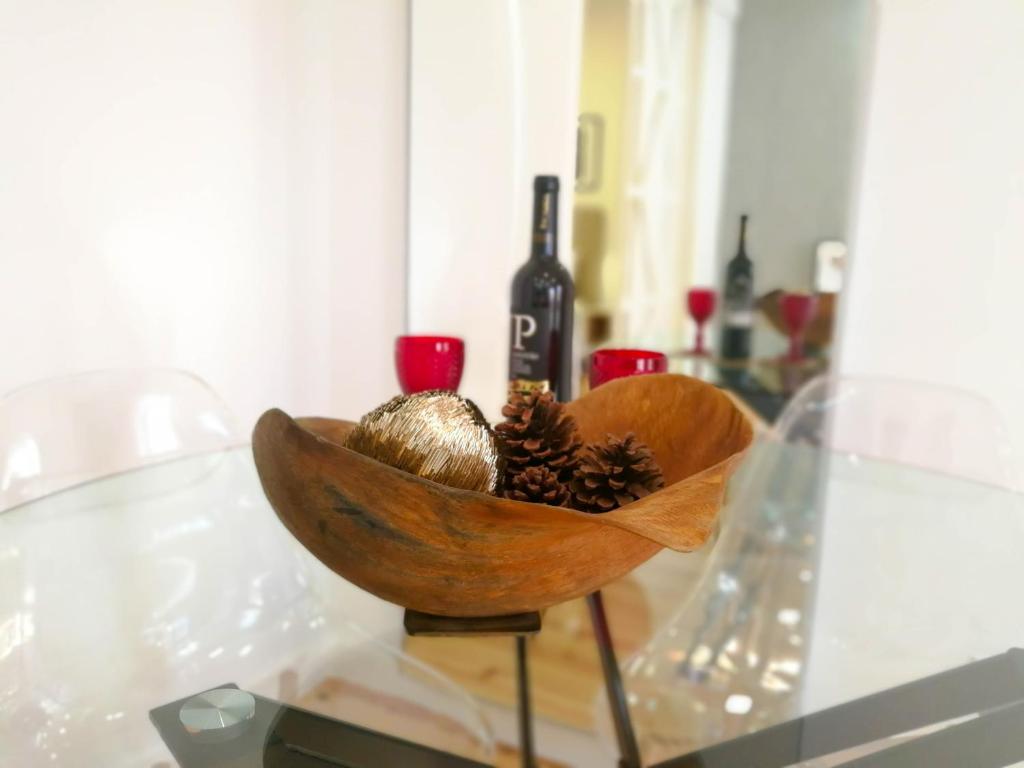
[[693, 114]]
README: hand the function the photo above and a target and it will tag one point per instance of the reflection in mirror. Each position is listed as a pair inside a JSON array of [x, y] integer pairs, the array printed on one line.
[[693, 114]]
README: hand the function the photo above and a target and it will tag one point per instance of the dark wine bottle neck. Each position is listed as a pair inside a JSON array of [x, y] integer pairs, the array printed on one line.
[[544, 242], [742, 251]]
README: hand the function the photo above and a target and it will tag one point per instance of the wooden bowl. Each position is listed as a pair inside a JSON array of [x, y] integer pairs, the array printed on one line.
[[451, 552], [819, 332]]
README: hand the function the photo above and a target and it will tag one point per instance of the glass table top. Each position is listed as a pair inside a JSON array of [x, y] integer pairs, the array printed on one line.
[[833, 578]]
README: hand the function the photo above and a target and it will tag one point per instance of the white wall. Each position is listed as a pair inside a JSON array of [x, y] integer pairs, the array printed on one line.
[[494, 95], [938, 256], [218, 186], [718, 44]]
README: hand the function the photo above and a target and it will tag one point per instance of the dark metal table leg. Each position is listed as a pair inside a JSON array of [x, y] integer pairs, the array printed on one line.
[[628, 748], [522, 624], [525, 712]]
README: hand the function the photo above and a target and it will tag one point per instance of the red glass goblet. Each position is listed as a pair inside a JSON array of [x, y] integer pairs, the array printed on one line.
[[429, 362], [797, 312], [701, 304], [608, 364]]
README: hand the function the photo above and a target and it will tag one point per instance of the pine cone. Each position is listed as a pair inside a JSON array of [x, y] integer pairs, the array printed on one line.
[[539, 485], [614, 474], [538, 432]]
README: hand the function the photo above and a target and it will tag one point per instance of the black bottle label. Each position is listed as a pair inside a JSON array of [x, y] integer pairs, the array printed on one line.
[[530, 352]]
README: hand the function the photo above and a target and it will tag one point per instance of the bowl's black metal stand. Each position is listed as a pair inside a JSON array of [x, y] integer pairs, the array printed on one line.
[[629, 751], [520, 626]]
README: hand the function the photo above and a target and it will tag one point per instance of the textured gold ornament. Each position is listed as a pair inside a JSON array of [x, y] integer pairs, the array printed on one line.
[[436, 435]]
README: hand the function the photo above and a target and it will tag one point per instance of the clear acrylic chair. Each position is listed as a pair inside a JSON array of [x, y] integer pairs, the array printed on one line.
[[934, 427], [116, 599], [58, 433], [178, 572], [864, 545]]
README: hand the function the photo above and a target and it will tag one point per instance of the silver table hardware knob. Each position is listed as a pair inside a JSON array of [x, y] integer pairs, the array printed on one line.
[[218, 715]]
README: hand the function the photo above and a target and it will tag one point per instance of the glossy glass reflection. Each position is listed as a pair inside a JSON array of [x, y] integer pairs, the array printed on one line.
[[122, 595], [860, 550], [732, 659]]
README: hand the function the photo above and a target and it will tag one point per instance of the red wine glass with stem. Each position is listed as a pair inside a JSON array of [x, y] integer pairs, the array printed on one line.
[[429, 362], [797, 312], [701, 304]]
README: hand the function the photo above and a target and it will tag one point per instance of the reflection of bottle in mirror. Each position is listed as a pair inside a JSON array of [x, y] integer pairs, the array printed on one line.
[[540, 354], [738, 317]]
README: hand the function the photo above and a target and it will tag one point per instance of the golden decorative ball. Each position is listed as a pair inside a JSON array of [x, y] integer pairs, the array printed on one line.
[[436, 435]]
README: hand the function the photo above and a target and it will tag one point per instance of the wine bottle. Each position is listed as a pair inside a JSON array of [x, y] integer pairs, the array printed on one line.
[[540, 336], [738, 318]]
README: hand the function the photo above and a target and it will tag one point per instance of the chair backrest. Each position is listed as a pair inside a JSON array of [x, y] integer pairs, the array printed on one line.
[[62, 432], [921, 533], [933, 427]]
